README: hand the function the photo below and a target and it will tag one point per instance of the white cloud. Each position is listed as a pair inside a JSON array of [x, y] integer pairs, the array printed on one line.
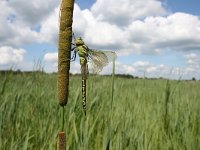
[[51, 62], [13, 32], [6, 9], [49, 28], [150, 70], [141, 64], [75, 67], [81, 19], [51, 57], [176, 32], [193, 59], [123, 12], [151, 35], [97, 34], [11, 56], [193, 65], [20, 18], [32, 12]]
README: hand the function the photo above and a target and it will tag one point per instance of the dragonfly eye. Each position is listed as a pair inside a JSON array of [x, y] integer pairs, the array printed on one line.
[[79, 41]]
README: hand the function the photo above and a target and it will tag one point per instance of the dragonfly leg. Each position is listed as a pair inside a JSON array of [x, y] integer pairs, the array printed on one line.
[[74, 56], [73, 48]]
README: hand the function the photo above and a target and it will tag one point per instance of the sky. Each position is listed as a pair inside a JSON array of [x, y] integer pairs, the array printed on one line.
[[155, 38]]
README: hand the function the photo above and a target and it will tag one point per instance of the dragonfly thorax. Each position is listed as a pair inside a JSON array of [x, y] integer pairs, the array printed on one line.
[[82, 50]]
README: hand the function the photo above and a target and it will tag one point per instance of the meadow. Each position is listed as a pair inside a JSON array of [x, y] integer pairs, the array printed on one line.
[[145, 114]]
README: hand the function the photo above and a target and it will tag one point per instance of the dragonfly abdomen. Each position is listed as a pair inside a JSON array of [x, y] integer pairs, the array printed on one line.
[[84, 94], [83, 60], [84, 78]]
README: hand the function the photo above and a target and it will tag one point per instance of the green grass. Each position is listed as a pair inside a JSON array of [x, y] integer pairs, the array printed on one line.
[[146, 114]]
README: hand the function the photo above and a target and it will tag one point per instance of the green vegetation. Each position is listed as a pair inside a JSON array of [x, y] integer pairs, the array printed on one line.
[[146, 114]]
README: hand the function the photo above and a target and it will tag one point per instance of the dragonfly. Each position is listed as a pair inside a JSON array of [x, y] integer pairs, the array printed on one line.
[[97, 58]]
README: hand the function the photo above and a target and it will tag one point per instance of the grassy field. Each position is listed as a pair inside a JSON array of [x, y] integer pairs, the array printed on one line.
[[145, 114]]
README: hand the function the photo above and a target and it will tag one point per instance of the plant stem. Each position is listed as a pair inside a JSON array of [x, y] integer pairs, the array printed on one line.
[[63, 118], [113, 81]]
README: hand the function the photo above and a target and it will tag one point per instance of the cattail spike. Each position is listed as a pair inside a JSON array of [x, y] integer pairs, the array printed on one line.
[[64, 52], [61, 145]]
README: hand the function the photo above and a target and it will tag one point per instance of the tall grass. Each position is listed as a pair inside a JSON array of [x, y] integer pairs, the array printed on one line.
[[29, 114]]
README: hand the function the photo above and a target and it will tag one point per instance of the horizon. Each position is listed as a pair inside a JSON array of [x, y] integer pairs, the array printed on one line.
[[121, 75]]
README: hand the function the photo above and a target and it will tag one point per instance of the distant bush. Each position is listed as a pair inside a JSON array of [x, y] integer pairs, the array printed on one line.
[[125, 76], [193, 79]]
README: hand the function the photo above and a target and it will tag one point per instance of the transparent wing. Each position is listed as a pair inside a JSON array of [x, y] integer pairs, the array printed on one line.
[[100, 59]]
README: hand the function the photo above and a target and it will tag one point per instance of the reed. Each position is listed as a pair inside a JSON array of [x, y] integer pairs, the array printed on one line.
[[61, 141], [64, 56], [64, 50], [110, 132]]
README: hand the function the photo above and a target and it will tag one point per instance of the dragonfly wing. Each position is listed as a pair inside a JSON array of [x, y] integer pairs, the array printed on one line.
[[100, 59]]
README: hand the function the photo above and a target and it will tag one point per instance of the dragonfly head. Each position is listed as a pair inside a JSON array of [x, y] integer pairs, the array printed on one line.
[[79, 41]]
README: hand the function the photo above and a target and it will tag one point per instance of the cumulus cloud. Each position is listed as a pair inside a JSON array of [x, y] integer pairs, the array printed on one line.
[[150, 35], [192, 59], [176, 32], [20, 19], [51, 57], [10, 56], [144, 68], [13, 32], [51, 62], [193, 65], [97, 34], [4, 6], [49, 28], [32, 12], [148, 69], [123, 12]]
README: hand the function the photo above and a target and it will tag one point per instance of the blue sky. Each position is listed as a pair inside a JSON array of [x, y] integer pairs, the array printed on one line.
[[188, 6], [151, 36]]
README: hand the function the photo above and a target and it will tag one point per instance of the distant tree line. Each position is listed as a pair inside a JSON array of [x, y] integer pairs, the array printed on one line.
[[2, 72], [127, 76]]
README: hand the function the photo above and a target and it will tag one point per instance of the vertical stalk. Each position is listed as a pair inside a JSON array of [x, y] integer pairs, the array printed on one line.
[[113, 80], [112, 99], [63, 118], [166, 107], [64, 50], [64, 56], [87, 87]]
